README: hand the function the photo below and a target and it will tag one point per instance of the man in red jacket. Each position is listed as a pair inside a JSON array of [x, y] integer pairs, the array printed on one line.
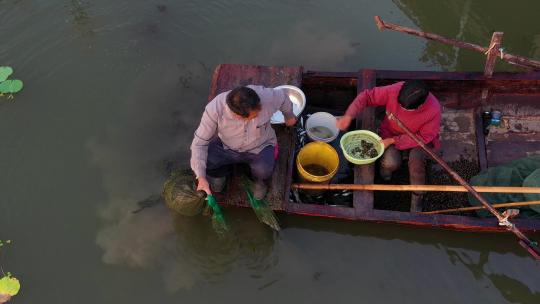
[[413, 104]]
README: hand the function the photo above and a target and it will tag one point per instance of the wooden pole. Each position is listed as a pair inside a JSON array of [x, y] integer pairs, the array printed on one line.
[[431, 188], [502, 205], [513, 59], [492, 53], [524, 241]]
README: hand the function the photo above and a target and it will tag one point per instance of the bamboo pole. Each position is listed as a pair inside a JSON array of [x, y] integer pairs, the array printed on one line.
[[524, 241], [501, 205], [513, 59], [431, 188]]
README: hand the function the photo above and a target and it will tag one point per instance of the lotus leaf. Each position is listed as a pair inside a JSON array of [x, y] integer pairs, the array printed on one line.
[[11, 86], [5, 71], [9, 286]]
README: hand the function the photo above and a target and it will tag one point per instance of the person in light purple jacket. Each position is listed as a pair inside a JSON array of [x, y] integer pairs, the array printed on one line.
[[235, 128]]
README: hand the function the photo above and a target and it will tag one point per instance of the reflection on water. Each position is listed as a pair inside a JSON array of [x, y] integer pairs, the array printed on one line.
[[318, 47], [475, 22], [514, 290], [80, 17], [186, 250], [249, 244]]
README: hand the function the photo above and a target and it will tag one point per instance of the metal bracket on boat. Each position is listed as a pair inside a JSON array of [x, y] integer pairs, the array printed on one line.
[[509, 213], [505, 223]]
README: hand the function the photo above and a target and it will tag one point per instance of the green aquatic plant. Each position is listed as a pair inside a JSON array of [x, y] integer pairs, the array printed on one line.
[[5, 71], [8, 86], [9, 285], [11, 86]]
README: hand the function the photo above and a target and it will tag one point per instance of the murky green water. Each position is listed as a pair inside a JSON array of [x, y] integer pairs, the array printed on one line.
[[114, 90]]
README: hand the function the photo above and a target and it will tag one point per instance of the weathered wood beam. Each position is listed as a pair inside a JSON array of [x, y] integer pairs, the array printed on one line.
[[480, 139], [492, 53], [363, 200], [429, 188]]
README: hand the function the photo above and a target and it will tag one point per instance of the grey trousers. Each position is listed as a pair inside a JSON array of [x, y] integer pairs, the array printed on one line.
[[220, 160], [391, 161]]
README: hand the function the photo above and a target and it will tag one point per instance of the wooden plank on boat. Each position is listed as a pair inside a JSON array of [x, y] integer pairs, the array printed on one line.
[[480, 139], [457, 76], [458, 135], [229, 76], [363, 200], [471, 82], [454, 222], [518, 134]]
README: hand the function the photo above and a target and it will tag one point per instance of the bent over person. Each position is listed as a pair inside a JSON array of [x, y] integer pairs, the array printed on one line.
[[235, 128], [413, 104]]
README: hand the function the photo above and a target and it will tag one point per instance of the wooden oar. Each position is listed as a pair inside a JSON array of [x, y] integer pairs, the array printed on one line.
[[524, 241], [442, 188], [501, 205]]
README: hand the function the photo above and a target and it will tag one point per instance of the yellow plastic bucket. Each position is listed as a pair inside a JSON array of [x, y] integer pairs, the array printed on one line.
[[321, 155]]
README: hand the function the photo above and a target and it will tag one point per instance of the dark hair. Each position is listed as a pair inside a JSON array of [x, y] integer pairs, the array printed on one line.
[[413, 94], [243, 100]]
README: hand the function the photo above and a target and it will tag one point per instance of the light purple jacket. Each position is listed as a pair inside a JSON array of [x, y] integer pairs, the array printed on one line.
[[237, 134]]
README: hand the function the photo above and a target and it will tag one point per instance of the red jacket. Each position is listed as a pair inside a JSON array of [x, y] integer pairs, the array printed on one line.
[[424, 121]]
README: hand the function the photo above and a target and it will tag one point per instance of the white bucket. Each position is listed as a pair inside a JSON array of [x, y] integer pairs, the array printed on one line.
[[321, 119]]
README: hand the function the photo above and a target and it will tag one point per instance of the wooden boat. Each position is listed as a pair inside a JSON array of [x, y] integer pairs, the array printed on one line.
[[464, 96]]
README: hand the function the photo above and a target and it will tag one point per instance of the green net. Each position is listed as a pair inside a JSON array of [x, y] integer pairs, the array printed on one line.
[[262, 210], [218, 220], [180, 193], [523, 172]]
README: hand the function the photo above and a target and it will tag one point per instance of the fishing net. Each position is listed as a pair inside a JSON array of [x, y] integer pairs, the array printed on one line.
[[262, 210], [523, 172], [181, 195]]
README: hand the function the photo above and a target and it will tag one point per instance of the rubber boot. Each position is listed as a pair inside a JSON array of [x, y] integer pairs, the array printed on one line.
[[259, 191], [217, 184]]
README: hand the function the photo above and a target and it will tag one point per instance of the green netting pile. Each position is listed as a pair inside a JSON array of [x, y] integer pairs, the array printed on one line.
[[523, 172]]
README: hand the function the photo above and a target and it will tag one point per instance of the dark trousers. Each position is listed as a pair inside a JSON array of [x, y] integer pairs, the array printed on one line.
[[391, 161], [220, 160]]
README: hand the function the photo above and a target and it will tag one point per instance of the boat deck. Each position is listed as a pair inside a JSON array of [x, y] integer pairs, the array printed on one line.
[[464, 96]]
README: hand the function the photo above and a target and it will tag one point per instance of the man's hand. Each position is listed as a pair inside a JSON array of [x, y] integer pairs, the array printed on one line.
[[289, 122], [203, 185], [343, 122], [387, 142]]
